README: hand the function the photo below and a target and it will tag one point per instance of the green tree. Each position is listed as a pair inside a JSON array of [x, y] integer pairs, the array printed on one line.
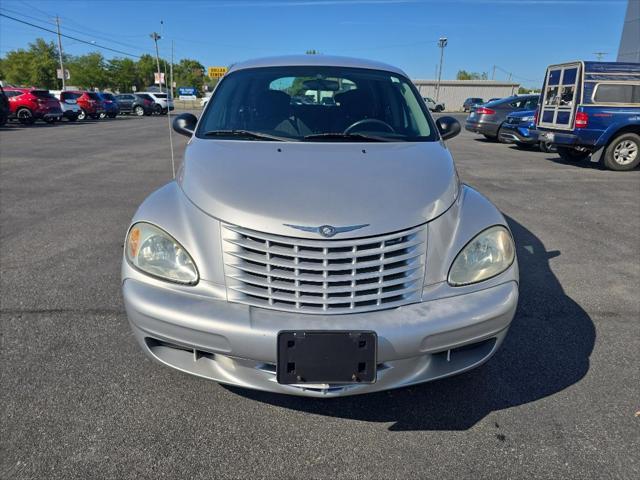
[[122, 74], [464, 75], [189, 73], [35, 66], [146, 67], [89, 71]]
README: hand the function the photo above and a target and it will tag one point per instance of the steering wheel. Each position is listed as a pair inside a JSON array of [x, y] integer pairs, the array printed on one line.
[[374, 121]]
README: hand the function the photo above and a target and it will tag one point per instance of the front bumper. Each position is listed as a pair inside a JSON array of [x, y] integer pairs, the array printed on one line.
[[515, 134], [235, 344]]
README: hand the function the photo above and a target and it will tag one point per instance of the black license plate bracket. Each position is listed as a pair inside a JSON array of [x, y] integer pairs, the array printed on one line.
[[336, 357]]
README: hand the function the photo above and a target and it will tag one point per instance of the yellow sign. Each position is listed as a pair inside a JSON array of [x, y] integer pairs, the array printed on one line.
[[216, 72]]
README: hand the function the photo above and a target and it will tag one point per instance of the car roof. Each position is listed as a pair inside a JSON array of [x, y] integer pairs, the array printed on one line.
[[315, 60]]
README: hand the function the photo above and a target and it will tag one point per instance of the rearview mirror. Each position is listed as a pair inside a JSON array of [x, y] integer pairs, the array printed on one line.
[[185, 124], [448, 127]]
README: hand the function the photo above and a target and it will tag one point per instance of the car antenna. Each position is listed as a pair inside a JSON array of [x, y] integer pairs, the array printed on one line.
[[169, 98]]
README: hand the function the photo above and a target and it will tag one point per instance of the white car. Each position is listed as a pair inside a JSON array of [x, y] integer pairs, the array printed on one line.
[[163, 102], [433, 105], [204, 100], [70, 108]]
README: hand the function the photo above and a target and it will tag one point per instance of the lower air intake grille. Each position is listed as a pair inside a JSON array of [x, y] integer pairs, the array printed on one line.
[[324, 276]]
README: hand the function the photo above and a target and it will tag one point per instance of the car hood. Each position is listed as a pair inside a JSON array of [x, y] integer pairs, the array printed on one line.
[[266, 186]]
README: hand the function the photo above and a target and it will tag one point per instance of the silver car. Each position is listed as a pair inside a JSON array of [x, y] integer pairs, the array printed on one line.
[[320, 248]]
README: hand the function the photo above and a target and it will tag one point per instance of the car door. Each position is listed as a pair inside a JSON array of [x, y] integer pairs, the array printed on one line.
[[125, 101]]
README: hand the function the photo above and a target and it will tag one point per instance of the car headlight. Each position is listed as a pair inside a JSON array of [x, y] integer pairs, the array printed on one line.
[[490, 253], [527, 119], [155, 252]]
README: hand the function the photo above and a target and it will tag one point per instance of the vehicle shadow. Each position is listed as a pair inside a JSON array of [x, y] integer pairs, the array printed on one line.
[[586, 164], [546, 350]]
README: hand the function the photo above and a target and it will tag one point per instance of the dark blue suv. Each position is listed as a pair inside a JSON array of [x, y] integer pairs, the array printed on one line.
[[593, 109]]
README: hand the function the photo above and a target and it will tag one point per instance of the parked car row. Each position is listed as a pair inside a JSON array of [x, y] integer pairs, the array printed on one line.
[[587, 110], [27, 105]]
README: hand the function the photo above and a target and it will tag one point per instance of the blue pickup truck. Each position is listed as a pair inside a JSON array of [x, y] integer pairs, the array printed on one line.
[[592, 109]]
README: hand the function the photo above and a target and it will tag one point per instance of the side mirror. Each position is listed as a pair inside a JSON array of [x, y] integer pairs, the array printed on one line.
[[448, 127], [185, 124]]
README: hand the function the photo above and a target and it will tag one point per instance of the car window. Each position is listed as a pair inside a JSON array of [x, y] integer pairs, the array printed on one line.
[[531, 103], [93, 95], [299, 101], [42, 94], [617, 93], [145, 96], [108, 96], [70, 95], [160, 95], [13, 93]]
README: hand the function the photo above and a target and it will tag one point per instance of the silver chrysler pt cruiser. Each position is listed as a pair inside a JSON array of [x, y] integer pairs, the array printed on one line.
[[317, 240]]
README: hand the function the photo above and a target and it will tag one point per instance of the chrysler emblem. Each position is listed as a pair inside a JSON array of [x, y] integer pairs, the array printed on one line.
[[327, 231]]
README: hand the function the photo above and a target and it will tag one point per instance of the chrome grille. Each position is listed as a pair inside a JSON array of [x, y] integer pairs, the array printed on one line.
[[324, 276]]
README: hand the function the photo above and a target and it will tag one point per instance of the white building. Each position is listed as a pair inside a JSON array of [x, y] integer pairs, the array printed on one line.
[[629, 50], [454, 92]]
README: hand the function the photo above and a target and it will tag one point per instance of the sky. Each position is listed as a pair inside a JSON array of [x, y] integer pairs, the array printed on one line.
[[520, 37]]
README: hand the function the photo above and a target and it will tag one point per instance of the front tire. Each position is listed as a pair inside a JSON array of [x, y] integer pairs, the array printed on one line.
[[25, 117], [139, 111], [157, 110], [572, 155], [623, 153], [82, 115]]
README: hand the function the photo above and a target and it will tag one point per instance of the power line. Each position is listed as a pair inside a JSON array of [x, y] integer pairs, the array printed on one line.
[[69, 36]]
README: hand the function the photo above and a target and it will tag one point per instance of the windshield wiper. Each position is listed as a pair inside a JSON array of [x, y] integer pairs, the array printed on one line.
[[246, 134], [361, 137]]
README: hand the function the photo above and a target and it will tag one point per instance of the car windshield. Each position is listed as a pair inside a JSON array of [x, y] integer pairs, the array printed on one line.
[[316, 103]]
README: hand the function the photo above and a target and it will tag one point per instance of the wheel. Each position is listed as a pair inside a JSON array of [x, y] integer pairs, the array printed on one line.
[[164, 111], [157, 109], [139, 111], [82, 115], [623, 153], [103, 115], [547, 147], [25, 117], [571, 154], [439, 108]]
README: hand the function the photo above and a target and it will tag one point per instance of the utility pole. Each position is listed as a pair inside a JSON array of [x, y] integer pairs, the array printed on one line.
[[60, 52], [600, 55], [442, 42], [155, 38], [493, 74]]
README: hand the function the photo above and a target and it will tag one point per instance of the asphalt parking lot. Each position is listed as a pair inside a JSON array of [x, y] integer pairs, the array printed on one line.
[[80, 400]]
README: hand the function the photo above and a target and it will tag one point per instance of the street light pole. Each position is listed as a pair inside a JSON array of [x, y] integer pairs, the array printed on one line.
[[60, 52], [441, 43], [155, 38]]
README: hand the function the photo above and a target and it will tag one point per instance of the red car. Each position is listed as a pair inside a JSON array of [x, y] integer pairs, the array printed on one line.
[[90, 103], [31, 104]]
